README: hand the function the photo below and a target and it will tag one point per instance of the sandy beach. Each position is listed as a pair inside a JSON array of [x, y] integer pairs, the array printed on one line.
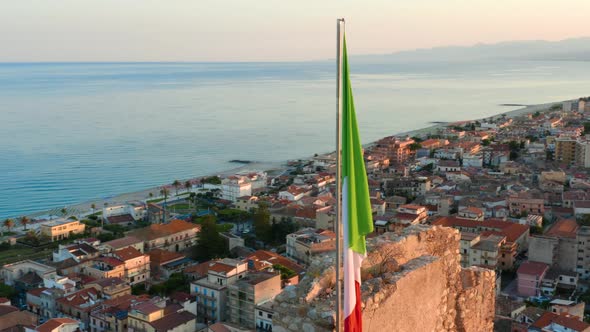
[[85, 208]]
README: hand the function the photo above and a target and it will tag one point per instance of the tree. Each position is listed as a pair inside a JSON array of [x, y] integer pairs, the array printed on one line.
[[415, 146], [188, 185], [64, 211], [176, 185], [7, 291], [281, 229], [93, 207], [485, 142], [24, 220], [164, 191], [210, 244], [262, 226], [8, 223]]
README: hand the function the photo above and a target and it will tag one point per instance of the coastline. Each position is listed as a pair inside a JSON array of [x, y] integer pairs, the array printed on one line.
[[85, 208]]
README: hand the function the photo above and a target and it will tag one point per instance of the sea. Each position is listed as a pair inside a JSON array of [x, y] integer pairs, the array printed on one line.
[[72, 132]]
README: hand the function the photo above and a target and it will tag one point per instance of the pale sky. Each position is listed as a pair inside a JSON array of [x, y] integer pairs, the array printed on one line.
[[269, 30]]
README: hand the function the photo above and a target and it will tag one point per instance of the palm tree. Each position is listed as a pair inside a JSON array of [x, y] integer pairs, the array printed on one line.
[[176, 185], [24, 220], [8, 223], [164, 192], [64, 211], [188, 185], [93, 207]]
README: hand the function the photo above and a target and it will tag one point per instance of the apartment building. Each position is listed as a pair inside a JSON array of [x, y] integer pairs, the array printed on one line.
[[248, 292], [211, 291], [62, 229]]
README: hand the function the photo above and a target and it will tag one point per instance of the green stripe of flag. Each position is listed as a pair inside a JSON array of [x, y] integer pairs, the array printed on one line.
[[353, 166]]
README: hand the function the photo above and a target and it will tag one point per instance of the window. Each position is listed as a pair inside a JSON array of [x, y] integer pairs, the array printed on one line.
[[571, 279], [260, 313]]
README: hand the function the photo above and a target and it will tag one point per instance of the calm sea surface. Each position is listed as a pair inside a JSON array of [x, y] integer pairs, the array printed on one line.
[[73, 132]]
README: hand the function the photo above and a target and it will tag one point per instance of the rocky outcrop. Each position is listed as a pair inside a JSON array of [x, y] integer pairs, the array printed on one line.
[[412, 281]]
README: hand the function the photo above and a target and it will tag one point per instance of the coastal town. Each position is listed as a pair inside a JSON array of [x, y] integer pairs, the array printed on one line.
[[228, 252]]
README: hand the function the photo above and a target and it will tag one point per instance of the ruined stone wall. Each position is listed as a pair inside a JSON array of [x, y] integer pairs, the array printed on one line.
[[411, 282]]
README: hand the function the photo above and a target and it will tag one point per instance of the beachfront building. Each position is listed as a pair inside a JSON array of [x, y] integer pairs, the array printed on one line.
[[62, 229], [235, 186]]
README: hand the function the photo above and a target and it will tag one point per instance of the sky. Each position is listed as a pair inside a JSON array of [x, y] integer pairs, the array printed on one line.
[[269, 30]]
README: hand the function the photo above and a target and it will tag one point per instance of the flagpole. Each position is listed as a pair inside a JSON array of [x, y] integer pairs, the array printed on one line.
[[338, 221]]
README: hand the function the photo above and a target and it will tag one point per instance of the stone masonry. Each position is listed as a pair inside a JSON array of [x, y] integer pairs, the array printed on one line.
[[412, 281]]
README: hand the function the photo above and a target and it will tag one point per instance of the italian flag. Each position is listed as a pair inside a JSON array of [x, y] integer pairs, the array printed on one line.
[[356, 206]]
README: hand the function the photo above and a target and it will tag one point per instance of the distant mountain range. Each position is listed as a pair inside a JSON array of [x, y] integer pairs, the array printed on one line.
[[576, 49]]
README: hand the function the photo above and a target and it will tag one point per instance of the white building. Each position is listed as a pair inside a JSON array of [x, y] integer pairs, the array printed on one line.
[[475, 160], [583, 153], [264, 315], [14, 271], [234, 187]]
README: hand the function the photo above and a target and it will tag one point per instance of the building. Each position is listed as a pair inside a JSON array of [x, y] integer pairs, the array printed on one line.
[[565, 150], [558, 246], [136, 264], [78, 305], [530, 275], [62, 229], [248, 292], [472, 213], [10, 273], [583, 261], [13, 320], [583, 153], [56, 325], [176, 235], [157, 317], [124, 242], [111, 315], [308, 242], [528, 202], [263, 315], [551, 322], [559, 306], [75, 251], [211, 291], [110, 288], [417, 186], [246, 203], [234, 187]]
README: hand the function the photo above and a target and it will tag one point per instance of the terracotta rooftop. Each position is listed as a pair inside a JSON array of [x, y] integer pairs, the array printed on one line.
[[147, 308], [123, 242], [161, 256], [565, 320], [155, 231], [128, 253], [54, 323], [262, 259], [83, 296], [511, 230], [533, 268], [221, 267], [565, 228], [172, 321], [5, 309], [36, 291]]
